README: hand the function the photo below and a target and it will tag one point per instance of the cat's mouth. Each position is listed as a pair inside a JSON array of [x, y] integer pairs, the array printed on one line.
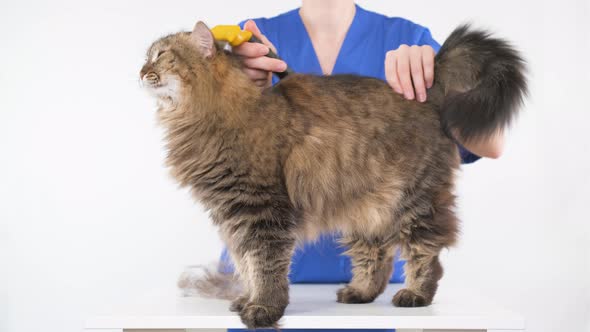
[[151, 80]]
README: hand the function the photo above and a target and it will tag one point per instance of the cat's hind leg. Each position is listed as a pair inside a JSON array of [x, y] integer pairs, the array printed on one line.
[[372, 265], [425, 229]]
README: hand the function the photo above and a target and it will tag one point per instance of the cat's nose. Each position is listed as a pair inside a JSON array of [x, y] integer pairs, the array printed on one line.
[[143, 71], [147, 73]]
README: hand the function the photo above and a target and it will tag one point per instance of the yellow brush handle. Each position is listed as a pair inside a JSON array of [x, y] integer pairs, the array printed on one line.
[[232, 34]]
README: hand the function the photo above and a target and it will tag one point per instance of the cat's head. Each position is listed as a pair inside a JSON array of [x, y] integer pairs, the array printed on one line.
[[179, 62]]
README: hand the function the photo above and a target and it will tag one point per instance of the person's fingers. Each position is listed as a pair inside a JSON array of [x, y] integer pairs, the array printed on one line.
[[403, 71], [263, 83], [252, 27], [267, 42], [265, 63], [417, 73], [255, 74], [391, 72], [428, 65], [250, 50], [257, 66]]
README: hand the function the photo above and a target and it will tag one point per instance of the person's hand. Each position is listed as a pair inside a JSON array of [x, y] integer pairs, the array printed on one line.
[[407, 65], [257, 66]]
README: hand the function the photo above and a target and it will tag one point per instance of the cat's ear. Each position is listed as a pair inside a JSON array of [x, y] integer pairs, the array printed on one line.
[[203, 39]]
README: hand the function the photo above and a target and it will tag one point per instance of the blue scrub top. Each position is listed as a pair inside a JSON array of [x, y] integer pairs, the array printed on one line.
[[363, 51]]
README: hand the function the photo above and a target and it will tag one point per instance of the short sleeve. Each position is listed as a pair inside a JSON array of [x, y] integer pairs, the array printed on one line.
[[426, 39], [467, 157]]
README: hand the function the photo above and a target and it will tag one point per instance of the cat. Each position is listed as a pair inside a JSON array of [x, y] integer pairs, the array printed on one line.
[[337, 154]]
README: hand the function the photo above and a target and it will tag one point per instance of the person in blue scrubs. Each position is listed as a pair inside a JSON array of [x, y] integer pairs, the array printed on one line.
[[370, 44]]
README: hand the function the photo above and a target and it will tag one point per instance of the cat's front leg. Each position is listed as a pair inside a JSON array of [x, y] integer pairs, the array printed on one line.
[[263, 246], [267, 257], [238, 304]]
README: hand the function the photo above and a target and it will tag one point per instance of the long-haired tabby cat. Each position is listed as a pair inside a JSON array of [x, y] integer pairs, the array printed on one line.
[[341, 154]]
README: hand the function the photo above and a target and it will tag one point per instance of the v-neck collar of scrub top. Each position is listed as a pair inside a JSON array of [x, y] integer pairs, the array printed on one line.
[[304, 46]]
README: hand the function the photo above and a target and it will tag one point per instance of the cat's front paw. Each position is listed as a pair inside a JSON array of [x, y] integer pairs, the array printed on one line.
[[352, 295], [255, 315], [238, 304], [408, 298]]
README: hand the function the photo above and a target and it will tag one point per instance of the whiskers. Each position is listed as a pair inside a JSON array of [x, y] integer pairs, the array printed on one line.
[[135, 80]]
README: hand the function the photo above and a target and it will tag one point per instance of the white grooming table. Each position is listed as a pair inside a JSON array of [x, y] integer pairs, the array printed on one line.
[[311, 307]]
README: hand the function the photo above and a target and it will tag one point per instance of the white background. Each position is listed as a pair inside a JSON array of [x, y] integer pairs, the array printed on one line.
[[89, 215]]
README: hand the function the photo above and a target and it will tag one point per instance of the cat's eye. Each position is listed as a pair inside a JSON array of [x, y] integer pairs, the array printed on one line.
[[157, 55]]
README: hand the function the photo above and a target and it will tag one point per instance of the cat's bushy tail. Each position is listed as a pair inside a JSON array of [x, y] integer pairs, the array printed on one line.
[[479, 83], [208, 281]]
